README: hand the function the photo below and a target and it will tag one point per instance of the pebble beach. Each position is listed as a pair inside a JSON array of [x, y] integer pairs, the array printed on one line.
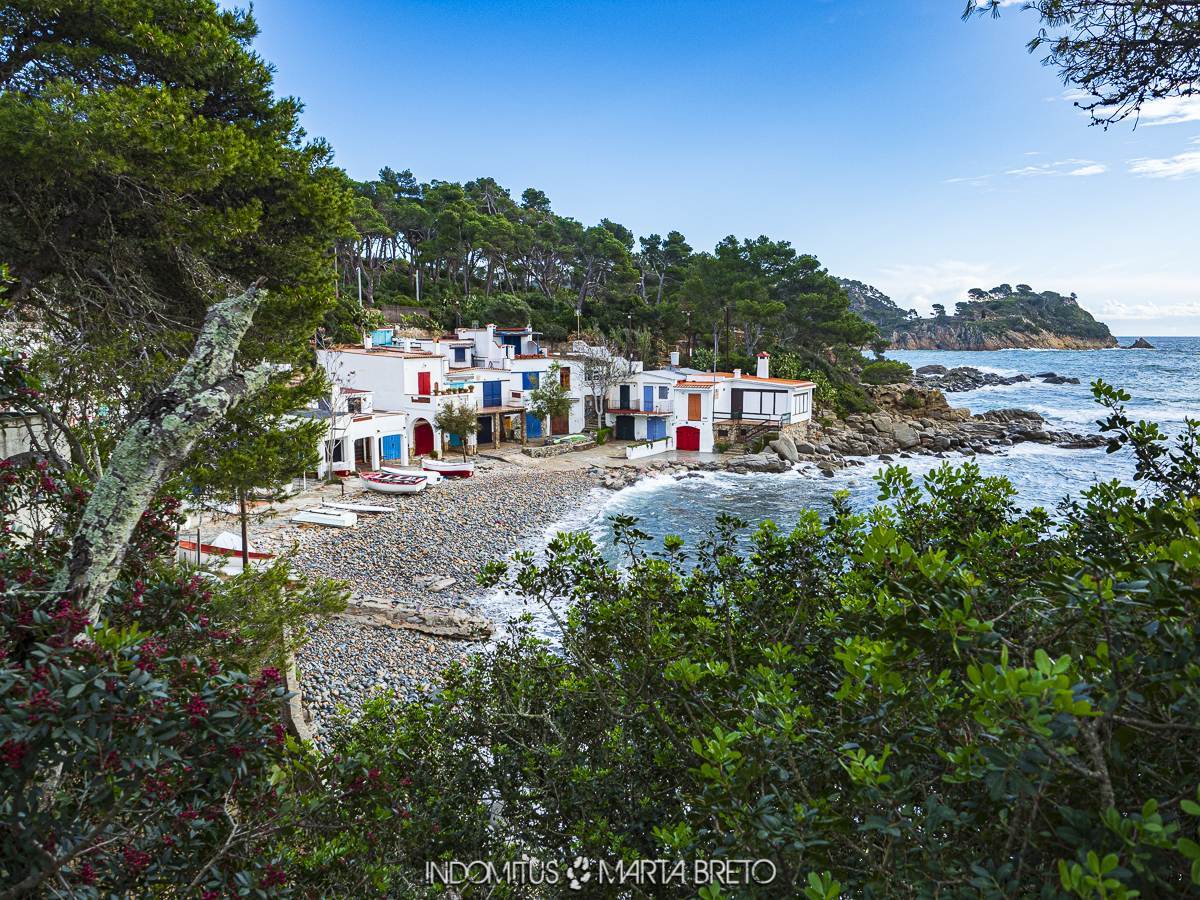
[[427, 553]]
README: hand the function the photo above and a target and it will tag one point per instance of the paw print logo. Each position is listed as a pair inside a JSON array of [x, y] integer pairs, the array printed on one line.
[[578, 873]]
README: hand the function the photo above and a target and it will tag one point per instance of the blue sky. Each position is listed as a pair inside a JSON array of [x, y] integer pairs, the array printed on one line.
[[902, 146]]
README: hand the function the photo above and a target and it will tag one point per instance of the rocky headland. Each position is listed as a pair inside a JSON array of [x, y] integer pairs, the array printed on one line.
[[1001, 318]]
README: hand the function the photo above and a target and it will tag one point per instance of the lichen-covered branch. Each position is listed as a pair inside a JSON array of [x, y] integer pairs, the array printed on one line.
[[203, 391]]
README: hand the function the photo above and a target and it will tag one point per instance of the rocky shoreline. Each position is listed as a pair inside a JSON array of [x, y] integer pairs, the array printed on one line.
[[968, 378]]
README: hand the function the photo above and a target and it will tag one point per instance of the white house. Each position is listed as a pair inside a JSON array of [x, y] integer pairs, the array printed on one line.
[[492, 369], [696, 410], [357, 433]]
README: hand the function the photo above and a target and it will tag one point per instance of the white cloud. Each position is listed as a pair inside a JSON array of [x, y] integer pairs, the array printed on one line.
[[1068, 167], [919, 286], [1181, 165], [1170, 111], [1162, 111]]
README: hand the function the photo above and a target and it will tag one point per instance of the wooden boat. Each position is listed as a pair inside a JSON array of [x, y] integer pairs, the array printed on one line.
[[225, 550], [335, 517], [387, 483], [359, 507], [432, 478], [451, 469]]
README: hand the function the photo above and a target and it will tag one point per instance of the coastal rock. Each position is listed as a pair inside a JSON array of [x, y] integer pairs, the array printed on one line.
[[1140, 344], [758, 462], [786, 448]]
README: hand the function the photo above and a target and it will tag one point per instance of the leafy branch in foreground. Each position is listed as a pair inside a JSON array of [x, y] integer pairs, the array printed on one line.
[[943, 695]]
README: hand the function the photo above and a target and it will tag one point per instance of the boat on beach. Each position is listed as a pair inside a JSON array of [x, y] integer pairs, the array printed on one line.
[[451, 469], [224, 551], [433, 478], [389, 483], [318, 516], [359, 507]]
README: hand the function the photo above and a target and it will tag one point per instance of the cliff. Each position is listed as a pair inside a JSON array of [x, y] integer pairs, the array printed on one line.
[[1001, 318]]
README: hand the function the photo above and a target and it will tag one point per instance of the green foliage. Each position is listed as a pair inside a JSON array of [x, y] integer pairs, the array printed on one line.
[[268, 613], [550, 399], [886, 371], [458, 419], [943, 691], [163, 169]]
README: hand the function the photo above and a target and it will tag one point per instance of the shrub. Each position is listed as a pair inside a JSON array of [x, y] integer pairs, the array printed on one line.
[[722, 446], [602, 434], [886, 371], [946, 691]]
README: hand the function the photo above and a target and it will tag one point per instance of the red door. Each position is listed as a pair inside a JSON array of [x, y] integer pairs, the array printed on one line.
[[423, 439], [687, 438], [423, 383]]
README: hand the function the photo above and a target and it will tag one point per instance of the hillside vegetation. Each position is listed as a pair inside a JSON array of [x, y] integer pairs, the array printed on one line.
[[995, 319]]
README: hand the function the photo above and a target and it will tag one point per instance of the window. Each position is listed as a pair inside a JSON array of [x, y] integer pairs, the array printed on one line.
[[664, 392], [530, 380], [354, 404], [460, 354], [564, 377]]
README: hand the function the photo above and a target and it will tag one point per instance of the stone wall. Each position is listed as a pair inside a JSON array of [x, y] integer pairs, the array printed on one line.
[[557, 449]]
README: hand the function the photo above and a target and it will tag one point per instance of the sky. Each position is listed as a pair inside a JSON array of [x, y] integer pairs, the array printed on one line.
[[899, 144]]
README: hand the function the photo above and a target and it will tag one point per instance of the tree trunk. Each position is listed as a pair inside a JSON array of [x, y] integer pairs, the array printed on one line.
[[203, 391], [245, 529]]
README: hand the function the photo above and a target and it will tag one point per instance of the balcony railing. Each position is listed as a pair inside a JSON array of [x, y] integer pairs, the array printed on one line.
[[766, 418], [653, 408]]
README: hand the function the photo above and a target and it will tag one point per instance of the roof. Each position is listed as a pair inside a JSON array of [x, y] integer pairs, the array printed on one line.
[[791, 381], [386, 351], [350, 390], [695, 384]]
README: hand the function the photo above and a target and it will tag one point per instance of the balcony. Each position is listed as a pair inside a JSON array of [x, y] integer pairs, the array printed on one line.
[[640, 408]]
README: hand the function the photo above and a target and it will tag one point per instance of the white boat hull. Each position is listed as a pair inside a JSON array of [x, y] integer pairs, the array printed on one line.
[[448, 468], [385, 483], [334, 517]]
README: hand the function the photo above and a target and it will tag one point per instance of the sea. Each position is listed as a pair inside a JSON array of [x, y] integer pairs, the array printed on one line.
[[1164, 385]]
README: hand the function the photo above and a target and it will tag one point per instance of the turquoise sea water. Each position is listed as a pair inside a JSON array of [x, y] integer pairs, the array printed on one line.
[[1164, 384]]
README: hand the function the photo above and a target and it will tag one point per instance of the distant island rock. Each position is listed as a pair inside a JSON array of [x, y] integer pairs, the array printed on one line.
[[1140, 344], [998, 319]]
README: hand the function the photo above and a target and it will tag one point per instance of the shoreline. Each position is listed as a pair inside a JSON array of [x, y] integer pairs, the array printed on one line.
[[424, 557], [418, 565]]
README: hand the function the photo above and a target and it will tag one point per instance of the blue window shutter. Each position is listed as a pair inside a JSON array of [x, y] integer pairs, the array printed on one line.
[[530, 380]]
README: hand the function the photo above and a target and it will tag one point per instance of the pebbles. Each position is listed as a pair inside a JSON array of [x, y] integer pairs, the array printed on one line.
[[427, 553], [344, 663]]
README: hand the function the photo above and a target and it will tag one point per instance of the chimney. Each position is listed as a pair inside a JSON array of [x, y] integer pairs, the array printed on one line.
[[737, 373], [764, 365], [674, 359]]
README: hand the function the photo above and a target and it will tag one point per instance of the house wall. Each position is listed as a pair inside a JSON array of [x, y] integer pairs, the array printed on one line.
[[680, 419]]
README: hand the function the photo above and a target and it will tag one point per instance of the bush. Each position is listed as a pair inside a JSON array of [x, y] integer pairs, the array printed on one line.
[[722, 446], [945, 691], [886, 371], [602, 434]]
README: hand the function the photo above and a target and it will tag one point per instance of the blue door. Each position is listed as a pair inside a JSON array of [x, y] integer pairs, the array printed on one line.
[[533, 426], [647, 398], [530, 380], [491, 393], [484, 435], [390, 446], [656, 428]]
